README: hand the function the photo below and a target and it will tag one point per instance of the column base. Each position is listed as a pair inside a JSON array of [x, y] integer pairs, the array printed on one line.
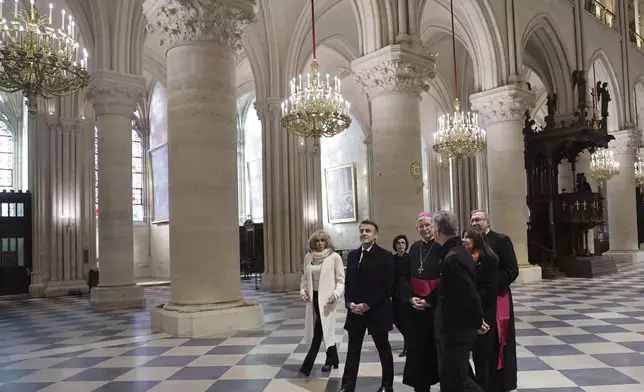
[[625, 258], [191, 322], [37, 290], [281, 283], [119, 297], [529, 274], [59, 289]]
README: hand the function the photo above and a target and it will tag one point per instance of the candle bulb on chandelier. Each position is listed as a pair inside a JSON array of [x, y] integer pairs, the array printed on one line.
[[1, 6], [15, 10], [32, 10], [51, 11], [327, 80], [62, 28], [69, 26]]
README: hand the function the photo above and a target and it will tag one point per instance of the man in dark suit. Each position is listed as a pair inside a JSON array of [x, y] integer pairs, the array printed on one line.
[[367, 295], [459, 317], [505, 377]]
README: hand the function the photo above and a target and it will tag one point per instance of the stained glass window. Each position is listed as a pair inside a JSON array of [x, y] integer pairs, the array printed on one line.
[[6, 158], [137, 173]]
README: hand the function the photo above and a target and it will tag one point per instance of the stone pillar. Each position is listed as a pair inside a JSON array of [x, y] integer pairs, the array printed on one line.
[[206, 294], [292, 199], [620, 194], [114, 96], [502, 110], [393, 78]]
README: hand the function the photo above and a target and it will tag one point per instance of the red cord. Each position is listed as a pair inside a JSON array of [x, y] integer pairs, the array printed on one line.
[[313, 24], [451, 4]]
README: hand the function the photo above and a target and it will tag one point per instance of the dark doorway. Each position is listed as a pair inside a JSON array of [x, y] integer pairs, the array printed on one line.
[[15, 242]]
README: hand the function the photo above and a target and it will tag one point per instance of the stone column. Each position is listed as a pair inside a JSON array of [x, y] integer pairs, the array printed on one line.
[[502, 110], [620, 194], [206, 294], [292, 209], [114, 96], [393, 78]]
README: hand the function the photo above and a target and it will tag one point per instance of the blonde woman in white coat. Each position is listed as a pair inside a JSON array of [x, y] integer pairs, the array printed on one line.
[[321, 286]]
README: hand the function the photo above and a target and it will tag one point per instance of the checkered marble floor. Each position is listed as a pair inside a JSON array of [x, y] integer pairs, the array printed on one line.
[[573, 335]]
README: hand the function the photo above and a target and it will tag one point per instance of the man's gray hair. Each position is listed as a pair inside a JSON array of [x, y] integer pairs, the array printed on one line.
[[446, 223]]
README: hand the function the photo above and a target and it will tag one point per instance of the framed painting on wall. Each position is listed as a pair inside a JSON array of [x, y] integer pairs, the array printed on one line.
[[159, 183], [341, 193]]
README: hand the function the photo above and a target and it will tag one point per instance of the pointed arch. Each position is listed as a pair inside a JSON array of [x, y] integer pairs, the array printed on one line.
[[600, 65], [546, 54], [477, 28]]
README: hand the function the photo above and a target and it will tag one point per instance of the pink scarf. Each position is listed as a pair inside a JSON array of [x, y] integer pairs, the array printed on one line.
[[502, 322]]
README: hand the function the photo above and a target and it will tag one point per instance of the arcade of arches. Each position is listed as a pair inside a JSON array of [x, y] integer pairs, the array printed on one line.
[[150, 173]]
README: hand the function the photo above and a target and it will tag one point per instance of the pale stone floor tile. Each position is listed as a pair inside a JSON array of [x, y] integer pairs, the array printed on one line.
[[218, 360], [106, 352], [565, 331], [242, 341], [544, 379], [538, 340], [187, 350], [36, 363], [149, 373], [622, 337], [258, 372], [165, 343], [587, 323], [606, 315], [601, 348], [614, 388], [183, 386], [274, 349]]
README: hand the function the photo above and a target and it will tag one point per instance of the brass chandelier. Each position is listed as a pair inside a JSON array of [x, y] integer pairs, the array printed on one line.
[[603, 165], [459, 135], [639, 174], [315, 107], [38, 59]]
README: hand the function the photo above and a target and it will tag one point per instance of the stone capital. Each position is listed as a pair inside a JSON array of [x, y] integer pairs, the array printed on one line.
[[114, 92], [222, 21], [626, 141], [394, 68], [506, 103], [270, 109]]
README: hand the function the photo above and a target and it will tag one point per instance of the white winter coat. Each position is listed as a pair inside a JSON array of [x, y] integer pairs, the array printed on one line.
[[331, 283]]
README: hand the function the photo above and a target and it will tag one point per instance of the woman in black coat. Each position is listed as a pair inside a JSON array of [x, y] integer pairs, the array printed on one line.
[[483, 353], [401, 262]]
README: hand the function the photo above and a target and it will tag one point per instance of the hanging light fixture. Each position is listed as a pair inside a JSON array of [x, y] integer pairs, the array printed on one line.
[[38, 59], [459, 135], [603, 165], [639, 173], [316, 107]]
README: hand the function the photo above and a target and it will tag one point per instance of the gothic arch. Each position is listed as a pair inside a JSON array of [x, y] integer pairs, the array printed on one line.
[[337, 42], [544, 52], [477, 29], [600, 65]]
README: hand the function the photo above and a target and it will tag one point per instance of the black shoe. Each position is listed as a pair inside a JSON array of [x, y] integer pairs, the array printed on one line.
[[402, 354], [305, 372], [327, 368], [386, 389]]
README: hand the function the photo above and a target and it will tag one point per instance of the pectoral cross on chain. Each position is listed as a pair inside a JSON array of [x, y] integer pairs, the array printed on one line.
[[420, 270]]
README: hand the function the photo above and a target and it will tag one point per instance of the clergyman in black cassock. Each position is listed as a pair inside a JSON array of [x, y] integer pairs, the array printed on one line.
[[505, 378], [459, 316], [368, 284], [419, 281]]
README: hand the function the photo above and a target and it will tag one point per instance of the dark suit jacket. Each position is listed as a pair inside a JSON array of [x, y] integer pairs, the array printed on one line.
[[487, 272], [401, 265], [459, 305], [370, 282], [508, 266]]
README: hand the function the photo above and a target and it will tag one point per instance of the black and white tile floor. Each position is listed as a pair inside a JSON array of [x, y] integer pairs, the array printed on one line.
[[574, 335]]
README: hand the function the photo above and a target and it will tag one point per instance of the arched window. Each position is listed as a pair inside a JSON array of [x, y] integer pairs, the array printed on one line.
[[137, 174], [6, 158]]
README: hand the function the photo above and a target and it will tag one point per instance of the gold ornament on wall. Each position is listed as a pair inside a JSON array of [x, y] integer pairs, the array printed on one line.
[[415, 170]]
